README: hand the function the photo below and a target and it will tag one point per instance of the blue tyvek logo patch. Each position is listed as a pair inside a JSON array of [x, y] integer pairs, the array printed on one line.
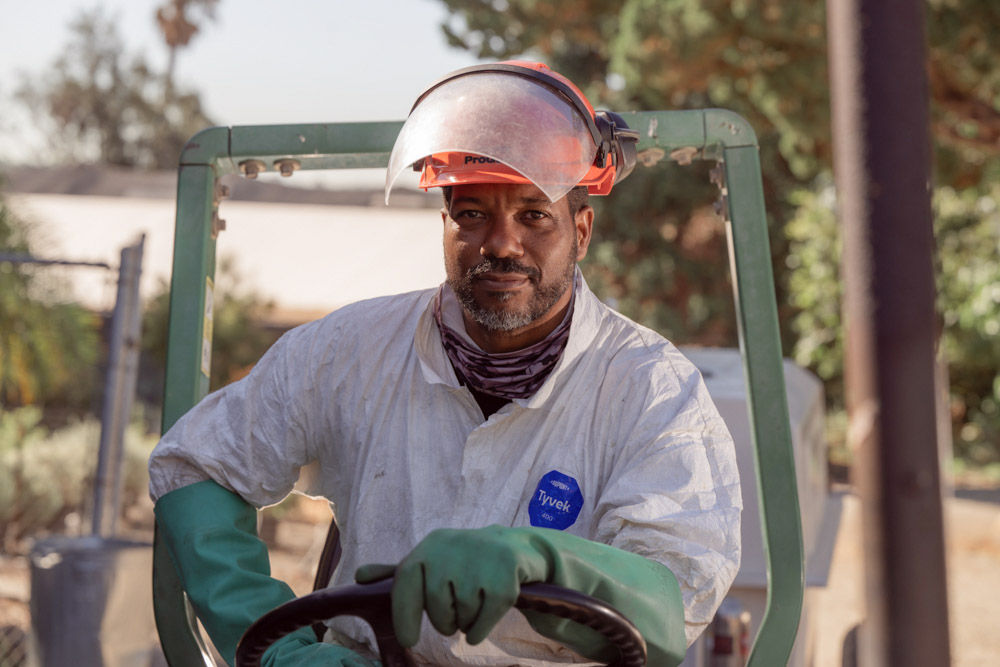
[[556, 503]]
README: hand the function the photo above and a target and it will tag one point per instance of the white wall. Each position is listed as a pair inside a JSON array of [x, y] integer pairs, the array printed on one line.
[[304, 257]]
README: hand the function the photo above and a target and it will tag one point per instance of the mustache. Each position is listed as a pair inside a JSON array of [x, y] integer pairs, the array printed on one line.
[[502, 265]]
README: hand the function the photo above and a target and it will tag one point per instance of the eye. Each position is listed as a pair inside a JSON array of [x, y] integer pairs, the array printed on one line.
[[467, 214], [535, 215]]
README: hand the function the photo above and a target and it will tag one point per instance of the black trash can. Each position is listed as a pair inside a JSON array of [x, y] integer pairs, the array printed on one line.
[[92, 603]]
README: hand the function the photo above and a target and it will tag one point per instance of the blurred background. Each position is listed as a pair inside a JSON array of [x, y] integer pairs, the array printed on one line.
[[97, 100]]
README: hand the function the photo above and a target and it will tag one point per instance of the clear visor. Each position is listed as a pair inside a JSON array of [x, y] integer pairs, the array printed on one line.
[[511, 119]]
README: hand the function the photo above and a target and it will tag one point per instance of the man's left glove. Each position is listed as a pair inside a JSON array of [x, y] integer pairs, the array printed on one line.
[[468, 579], [211, 534]]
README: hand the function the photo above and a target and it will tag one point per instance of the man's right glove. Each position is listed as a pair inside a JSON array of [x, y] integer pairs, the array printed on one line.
[[468, 579]]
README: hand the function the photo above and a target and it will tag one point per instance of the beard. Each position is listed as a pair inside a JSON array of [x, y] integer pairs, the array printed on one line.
[[510, 318]]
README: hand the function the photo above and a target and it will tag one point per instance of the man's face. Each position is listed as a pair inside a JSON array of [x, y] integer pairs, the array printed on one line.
[[510, 255]]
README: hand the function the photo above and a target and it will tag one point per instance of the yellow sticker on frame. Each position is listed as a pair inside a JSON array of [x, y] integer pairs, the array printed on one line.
[[207, 324]]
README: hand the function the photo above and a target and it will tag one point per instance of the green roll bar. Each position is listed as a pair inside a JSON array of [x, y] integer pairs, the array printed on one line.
[[684, 136]]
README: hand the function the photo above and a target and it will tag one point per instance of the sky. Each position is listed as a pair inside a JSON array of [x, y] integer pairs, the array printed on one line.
[[259, 62]]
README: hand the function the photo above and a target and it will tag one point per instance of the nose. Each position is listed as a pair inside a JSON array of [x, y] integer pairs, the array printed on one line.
[[503, 239]]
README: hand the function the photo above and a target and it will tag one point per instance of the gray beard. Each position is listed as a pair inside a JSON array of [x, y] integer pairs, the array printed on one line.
[[502, 320], [497, 320]]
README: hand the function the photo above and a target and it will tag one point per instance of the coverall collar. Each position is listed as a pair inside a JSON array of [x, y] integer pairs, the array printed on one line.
[[437, 368]]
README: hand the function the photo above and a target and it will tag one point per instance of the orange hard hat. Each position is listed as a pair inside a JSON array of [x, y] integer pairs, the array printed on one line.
[[512, 122]]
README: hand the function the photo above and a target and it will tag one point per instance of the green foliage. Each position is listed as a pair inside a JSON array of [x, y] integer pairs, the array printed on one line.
[[47, 476], [100, 105], [238, 338], [967, 230], [659, 254], [766, 60], [48, 348], [814, 287], [738, 55]]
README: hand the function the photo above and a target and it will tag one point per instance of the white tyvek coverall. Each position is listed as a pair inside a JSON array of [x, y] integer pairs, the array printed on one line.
[[363, 408]]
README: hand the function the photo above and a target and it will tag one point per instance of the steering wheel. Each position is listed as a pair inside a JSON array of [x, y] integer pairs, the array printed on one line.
[[371, 602]]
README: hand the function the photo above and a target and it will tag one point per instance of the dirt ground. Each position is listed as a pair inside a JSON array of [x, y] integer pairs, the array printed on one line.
[[973, 524], [973, 528]]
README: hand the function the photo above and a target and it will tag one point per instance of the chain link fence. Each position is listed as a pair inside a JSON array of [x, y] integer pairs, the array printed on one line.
[[13, 646]]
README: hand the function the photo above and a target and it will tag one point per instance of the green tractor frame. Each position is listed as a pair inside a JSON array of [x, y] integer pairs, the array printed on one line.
[[684, 136]]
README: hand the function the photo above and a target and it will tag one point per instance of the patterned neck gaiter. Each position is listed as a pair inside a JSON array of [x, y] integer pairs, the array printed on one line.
[[507, 375]]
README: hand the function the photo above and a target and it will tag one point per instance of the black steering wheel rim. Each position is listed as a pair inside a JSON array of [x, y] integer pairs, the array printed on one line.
[[371, 602]]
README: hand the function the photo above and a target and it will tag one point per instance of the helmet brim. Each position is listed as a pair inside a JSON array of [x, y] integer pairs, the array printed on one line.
[[524, 126]]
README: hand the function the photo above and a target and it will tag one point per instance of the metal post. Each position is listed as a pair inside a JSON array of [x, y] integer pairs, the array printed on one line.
[[119, 391], [187, 377], [882, 140], [774, 461]]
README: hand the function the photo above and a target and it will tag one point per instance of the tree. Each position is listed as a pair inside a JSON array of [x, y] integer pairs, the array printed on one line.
[[967, 226], [764, 60], [657, 250], [238, 339], [177, 29], [963, 46], [103, 106]]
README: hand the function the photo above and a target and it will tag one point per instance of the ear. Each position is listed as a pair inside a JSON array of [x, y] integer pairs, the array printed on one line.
[[584, 222]]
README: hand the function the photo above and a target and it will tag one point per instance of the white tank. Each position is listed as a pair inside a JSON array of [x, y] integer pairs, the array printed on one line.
[[722, 369]]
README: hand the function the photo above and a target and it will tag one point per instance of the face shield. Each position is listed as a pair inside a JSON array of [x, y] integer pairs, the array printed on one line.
[[518, 123]]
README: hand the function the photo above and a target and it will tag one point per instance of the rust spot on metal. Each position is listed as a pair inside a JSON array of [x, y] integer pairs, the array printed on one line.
[[732, 127], [250, 168], [650, 156], [684, 156], [287, 166], [218, 225]]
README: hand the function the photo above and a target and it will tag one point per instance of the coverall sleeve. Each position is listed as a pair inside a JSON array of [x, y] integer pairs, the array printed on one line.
[[252, 436], [674, 493]]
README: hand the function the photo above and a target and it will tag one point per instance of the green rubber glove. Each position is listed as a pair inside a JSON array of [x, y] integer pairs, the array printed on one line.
[[211, 534], [300, 649], [468, 579]]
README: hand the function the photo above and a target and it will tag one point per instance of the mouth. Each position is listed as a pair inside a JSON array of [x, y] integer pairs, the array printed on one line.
[[502, 282]]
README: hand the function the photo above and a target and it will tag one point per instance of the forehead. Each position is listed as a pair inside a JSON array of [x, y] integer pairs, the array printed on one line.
[[502, 194]]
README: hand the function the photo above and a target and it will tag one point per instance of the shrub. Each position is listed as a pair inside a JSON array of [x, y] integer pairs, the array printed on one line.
[[48, 348], [47, 476]]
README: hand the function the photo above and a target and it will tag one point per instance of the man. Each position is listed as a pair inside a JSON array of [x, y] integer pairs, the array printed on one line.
[[505, 428]]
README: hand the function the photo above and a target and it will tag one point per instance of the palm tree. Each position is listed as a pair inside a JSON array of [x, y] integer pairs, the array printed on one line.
[[178, 29]]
